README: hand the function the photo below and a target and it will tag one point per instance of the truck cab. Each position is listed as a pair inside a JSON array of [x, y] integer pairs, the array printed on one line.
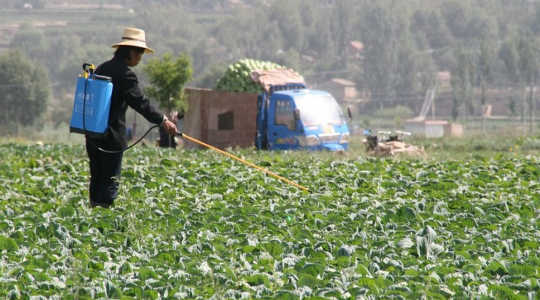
[[294, 117]]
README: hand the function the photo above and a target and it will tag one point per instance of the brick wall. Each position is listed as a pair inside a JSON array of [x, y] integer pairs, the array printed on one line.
[[205, 108]]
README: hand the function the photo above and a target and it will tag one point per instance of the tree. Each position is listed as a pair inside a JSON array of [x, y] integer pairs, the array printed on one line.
[[462, 82], [521, 60], [24, 91], [528, 65], [210, 78], [437, 31], [485, 65], [343, 14], [454, 13], [31, 42], [510, 56], [389, 67], [380, 40], [287, 17], [167, 76]]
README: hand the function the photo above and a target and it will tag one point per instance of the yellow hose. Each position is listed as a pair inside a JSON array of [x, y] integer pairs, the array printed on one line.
[[247, 163]]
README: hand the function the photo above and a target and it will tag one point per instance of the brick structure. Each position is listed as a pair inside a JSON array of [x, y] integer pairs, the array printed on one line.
[[221, 119]]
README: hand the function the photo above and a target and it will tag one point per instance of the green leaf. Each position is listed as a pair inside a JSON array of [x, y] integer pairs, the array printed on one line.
[[66, 211], [307, 280], [8, 244], [257, 279], [285, 295], [274, 248], [312, 269]]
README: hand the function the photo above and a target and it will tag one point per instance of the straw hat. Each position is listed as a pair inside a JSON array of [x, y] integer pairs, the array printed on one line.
[[134, 37]]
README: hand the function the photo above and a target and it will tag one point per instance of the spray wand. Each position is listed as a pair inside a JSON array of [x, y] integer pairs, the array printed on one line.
[[196, 141], [245, 162]]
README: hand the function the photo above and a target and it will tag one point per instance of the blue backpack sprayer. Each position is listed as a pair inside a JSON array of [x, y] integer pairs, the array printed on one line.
[[91, 109], [92, 102], [92, 105]]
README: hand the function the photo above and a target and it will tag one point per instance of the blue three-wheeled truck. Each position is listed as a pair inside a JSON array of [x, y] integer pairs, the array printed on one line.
[[291, 116]]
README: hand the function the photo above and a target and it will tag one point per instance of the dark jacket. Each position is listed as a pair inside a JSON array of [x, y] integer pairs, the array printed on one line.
[[126, 92]]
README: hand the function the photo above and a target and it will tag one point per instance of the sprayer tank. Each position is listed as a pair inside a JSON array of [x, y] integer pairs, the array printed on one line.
[[91, 105]]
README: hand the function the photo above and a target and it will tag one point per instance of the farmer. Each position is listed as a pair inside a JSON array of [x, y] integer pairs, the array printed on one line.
[[105, 167]]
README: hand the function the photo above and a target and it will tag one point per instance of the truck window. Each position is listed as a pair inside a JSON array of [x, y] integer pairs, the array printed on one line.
[[284, 114], [226, 121], [319, 110]]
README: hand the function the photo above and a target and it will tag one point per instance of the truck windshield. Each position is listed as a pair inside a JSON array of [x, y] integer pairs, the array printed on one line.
[[318, 110]]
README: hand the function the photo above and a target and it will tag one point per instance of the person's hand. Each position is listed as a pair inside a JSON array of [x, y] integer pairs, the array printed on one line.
[[169, 126]]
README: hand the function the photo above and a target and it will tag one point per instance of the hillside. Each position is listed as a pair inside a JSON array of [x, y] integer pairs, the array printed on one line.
[[389, 50]]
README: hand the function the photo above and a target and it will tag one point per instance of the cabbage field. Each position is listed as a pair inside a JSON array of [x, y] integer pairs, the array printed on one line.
[[191, 224]]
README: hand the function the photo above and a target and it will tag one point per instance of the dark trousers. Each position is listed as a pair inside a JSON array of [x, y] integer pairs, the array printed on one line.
[[104, 174]]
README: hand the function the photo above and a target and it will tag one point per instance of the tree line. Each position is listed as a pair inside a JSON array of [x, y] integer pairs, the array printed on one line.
[[487, 43]]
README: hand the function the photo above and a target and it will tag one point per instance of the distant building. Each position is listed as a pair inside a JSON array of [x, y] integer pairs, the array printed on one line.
[[427, 128], [434, 128], [343, 90]]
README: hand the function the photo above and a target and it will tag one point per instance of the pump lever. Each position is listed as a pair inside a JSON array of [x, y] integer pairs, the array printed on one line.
[[87, 66]]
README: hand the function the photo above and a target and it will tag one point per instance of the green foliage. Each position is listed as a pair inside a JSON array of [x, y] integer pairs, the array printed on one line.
[[24, 91], [390, 64], [486, 59], [528, 59], [167, 76], [463, 80], [405, 42], [510, 56], [521, 59], [210, 78], [194, 224], [32, 41]]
